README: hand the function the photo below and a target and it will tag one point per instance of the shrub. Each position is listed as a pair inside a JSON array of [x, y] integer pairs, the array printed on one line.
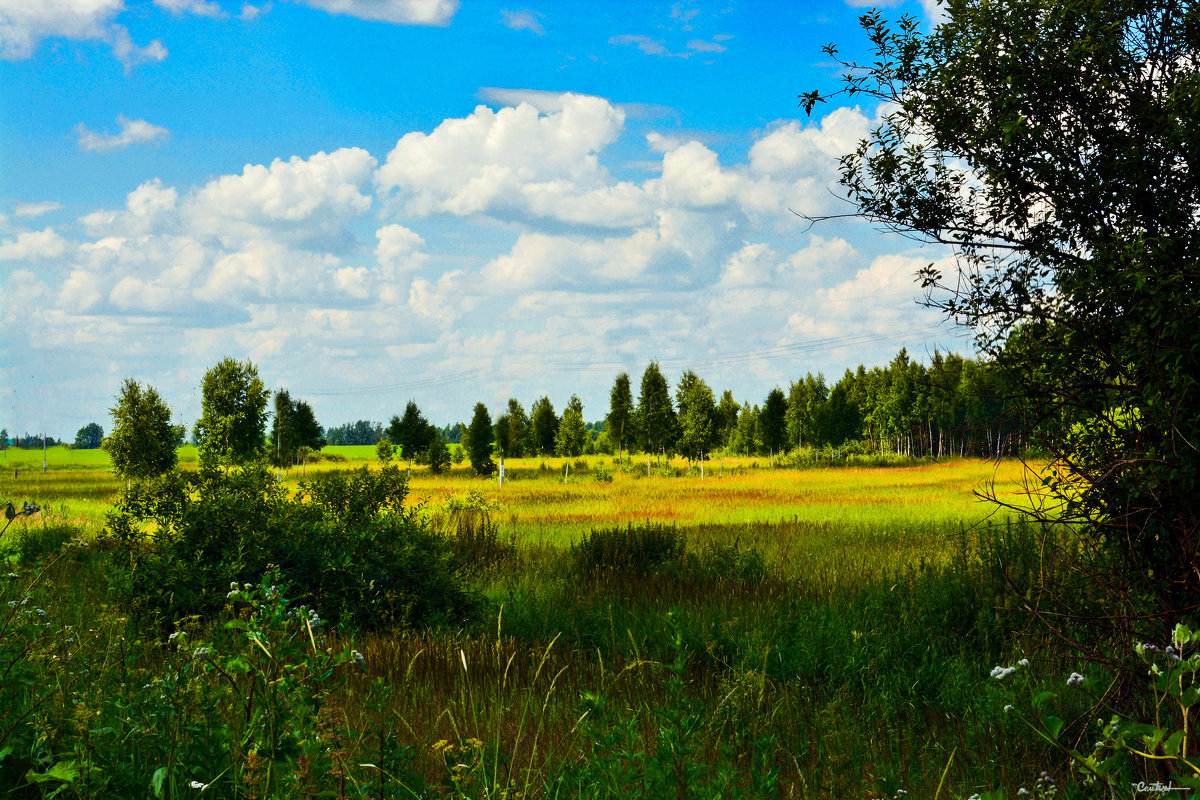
[[344, 542]]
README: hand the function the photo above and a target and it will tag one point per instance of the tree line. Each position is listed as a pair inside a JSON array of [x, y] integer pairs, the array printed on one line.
[[953, 406]]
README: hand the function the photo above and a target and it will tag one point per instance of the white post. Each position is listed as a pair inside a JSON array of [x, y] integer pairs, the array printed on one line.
[[502, 469], [43, 454]]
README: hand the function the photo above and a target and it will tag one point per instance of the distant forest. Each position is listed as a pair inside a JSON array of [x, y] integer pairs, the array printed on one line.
[[954, 405]]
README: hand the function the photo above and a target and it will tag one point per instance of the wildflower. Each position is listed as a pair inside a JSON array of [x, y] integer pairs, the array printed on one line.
[[31, 508], [233, 585], [1075, 680], [233, 594], [358, 658], [1008, 709], [199, 785], [1024, 662], [201, 653], [1000, 673], [1022, 792]]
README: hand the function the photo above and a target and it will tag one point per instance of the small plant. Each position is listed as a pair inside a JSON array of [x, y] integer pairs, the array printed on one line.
[[602, 474], [1132, 754]]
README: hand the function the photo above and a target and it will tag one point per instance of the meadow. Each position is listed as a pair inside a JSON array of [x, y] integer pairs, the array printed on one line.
[[761, 632]]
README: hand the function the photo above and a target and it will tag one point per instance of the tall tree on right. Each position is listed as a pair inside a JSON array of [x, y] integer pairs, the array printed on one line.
[[1052, 146]]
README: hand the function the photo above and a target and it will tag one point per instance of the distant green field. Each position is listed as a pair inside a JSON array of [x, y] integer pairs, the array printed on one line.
[[817, 520]]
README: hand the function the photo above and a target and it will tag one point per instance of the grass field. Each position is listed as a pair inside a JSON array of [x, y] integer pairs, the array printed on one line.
[[831, 636]]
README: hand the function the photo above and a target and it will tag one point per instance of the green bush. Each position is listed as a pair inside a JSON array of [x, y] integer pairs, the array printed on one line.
[[345, 542]]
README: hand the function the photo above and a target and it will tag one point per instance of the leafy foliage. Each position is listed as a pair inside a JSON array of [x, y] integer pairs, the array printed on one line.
[[89, 437], [1075, 228], [232, 425], [345, 542], [143, 441]]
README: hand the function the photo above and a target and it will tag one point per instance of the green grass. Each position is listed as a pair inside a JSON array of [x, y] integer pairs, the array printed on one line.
[[832, 628]]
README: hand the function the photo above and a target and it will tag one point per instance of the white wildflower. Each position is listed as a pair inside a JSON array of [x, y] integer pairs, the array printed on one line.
[[1075, 680], [1024, 662]]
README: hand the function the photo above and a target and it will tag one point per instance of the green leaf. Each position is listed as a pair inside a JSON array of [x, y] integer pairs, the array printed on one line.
[[1054, 725], [157, 780], [1042, 698], [10, 513], [1190, 695], [62, 772], [1171, 746]]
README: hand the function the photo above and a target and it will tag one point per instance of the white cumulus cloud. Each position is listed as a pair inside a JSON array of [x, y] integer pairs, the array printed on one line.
[[133, 131], [516, 162], [398, 12], [25, 23], [42, 245]]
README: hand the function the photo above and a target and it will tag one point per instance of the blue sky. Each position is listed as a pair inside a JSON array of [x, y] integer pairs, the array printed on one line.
[[378, 200]]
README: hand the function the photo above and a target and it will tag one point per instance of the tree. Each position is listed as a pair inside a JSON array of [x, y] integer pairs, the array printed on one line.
[[354, 433], [620, 412], [543, 426], [771, 422], [518, 429], [143, 441], [3, 438], [697, 412], [572, 433], [726, 418], [294, 431], [439, 454], [746, 439], [412, 433], [89, 437], [478, 441], [1052, 146], [233, 419], [384, 450], [655, 414]]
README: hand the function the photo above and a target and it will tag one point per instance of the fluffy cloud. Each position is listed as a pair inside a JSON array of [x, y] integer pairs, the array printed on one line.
[[148, 208], [133, 131], [43, 245], [398, 12], [527, 245], [24, 24], [298, 200], [399, 249], [516, 162]]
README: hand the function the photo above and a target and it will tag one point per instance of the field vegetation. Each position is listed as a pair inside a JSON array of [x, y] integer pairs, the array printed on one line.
[[760, 632]]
